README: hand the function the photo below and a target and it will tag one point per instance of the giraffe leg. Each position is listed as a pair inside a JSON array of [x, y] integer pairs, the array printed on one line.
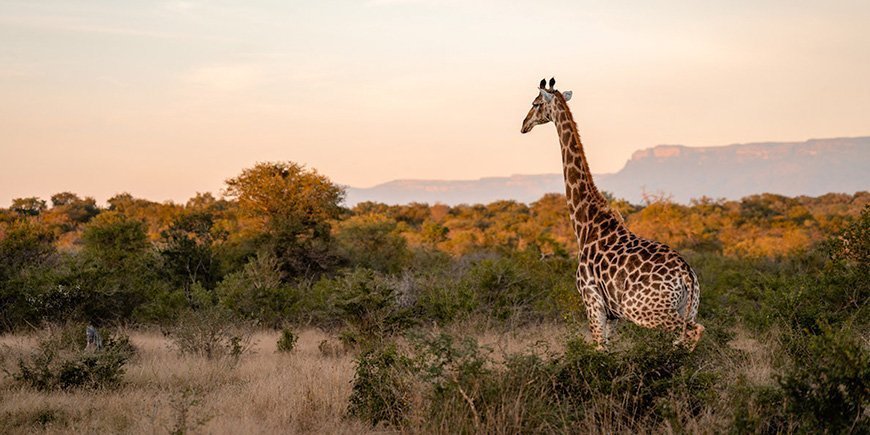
[[688, 333], [610, 329], [595, 312], [693, 334], [597, 325]]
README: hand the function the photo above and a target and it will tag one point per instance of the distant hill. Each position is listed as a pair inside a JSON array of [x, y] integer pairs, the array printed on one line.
[[814, 167]]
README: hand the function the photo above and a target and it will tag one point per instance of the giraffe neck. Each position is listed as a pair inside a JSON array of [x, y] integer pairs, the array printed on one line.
[[587, 206]]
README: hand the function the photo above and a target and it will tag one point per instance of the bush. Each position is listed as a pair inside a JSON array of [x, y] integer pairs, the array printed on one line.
[[458, 373], [369, 304], [441, 299], [521, 287], [461, 388], [828, 384], [287, 341], [372, 241], [757, 409], [60, 362], [211, 332], [381, 386], [256, 291]]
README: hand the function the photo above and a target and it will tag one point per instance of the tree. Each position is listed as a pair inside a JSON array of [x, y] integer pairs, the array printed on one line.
[[64, 198], [156, 216], [117, 270], [372, 241], [24, 244], [292, 206], [30, 206], [72, 210], [113, 238], [433, 233], [26, 253], [188, 250]]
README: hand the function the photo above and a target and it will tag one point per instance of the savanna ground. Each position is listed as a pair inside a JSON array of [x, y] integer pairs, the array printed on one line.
[[266, 391], [276, 309], [166, 392]]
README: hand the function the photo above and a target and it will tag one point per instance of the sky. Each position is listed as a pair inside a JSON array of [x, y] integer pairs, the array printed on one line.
[[163, 99]]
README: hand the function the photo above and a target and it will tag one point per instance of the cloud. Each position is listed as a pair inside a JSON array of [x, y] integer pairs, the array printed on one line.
[[76, 25]]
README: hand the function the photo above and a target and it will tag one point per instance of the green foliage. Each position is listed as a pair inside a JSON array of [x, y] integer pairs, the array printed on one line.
[[441, 298], [853, 243], [292, 207], [519, 287], [188, 250], [757, 409], [27, 258], [257, 292], [640, 379], [372, 242], [287, 341], [369, 304], [61, 362], [433, 233], [828, 384], [115, 273], [463, 387], [804, 292], [113, 238], [163, 306], [31, 206], [72, 210], [381, 386], [24, 244]]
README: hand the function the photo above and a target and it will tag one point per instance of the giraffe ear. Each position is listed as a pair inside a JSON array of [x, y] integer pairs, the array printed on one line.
[[567, 95], [547, 96]]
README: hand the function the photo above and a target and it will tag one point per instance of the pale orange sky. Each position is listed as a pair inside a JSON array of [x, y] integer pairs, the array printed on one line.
[[164, 99]]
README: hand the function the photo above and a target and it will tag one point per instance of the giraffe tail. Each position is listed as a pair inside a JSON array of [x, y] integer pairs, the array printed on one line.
[[692, 289]]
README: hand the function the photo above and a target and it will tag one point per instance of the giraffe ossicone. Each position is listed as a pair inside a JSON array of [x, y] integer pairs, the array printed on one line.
[[620, 274]]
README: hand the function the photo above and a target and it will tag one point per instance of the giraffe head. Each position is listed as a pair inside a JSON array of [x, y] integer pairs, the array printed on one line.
[[544, 106]]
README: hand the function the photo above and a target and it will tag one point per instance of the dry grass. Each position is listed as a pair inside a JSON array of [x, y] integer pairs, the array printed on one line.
[[757, 365], [264, 392], [304, 391]]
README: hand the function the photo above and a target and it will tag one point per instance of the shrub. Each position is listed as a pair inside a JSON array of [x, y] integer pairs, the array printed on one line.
[[60, 362], [757, 409], [461, 388], [381, 386], [256, 291], [441, 299], [828, 384], [287, 341], [521, 287], [457, 372], [211, 332], [368, 303], [372, 241]]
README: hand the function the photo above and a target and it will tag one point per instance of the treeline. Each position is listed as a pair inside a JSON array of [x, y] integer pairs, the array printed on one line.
[[279, 250], [280, 246]]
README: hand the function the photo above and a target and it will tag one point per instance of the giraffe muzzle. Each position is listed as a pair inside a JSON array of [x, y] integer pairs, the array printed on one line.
[[526, 128]]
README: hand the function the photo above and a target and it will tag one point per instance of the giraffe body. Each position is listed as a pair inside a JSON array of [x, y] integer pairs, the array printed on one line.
[[620, 275]]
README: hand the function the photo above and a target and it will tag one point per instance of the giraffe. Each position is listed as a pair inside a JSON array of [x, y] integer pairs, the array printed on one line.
[[620, 275]]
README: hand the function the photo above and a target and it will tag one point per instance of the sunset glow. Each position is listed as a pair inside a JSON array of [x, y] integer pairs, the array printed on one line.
[[164, 99]]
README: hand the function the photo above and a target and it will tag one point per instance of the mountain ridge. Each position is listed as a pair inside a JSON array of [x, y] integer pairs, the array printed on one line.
[[811, 167]]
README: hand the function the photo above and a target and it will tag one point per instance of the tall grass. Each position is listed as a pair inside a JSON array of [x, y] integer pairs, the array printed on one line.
[[164, 392]]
